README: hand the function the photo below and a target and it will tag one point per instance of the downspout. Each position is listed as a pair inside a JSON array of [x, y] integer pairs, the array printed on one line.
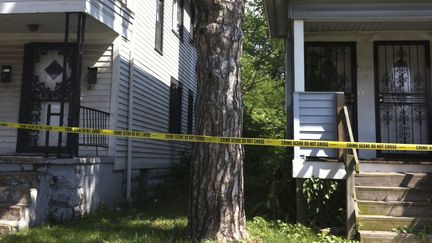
[[130, 122]]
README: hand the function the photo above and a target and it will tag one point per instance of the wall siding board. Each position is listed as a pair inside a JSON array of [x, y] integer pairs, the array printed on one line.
[[315, 122], [152, 74], [122, 103], [10, 94]]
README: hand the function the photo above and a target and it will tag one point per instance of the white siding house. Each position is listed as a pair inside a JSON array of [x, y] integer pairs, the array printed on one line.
[[152, 72], [112, 64]]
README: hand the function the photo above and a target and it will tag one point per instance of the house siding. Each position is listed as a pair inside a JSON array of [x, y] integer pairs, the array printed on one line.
[[315, 119], [10, 95], [152, 74]]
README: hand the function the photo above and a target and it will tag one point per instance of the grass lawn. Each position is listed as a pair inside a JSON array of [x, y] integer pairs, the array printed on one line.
[[155, 221]]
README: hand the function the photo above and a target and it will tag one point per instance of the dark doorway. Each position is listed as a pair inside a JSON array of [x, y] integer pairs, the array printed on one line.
[[331, 67], [402, 84]]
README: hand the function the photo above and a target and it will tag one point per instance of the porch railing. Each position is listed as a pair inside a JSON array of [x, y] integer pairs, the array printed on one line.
[[351, 161], [93, 118]]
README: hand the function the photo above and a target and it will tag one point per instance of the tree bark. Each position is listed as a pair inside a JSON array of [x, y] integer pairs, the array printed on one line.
[[216, 207]]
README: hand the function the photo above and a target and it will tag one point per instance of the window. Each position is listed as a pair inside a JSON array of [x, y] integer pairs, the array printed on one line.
[[159, 25], [128, 3], [175, 109], [177, 18], [190, 112], [329, 66]]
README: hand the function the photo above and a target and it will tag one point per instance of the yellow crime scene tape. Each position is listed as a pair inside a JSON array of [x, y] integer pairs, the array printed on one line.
[[225, 140]]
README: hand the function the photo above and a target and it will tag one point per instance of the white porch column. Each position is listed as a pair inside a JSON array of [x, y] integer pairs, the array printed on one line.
[[299, 70]]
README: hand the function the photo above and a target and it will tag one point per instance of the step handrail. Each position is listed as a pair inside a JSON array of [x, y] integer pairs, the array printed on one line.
[[351, 161], [351, 138]]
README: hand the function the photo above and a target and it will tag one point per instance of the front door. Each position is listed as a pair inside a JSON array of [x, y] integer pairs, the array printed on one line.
[[402, 89], [45, 97], [331, 67]]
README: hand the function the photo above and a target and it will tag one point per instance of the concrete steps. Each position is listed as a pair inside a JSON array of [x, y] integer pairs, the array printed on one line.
[[25, 179], [410, 180], [10, 212], [7, 227], [392, 237], [395, 208], [380, 193], [14, 194], [388, 202], [391, 223], [16, 200]]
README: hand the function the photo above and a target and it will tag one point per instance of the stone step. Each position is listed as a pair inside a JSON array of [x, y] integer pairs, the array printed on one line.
[[394, 179], [367, 236], [390, 223], [14, 194], [410, 165], [405, 209], [12, 212], [371, 193], [23, 159], [7, 228], [24, 179]]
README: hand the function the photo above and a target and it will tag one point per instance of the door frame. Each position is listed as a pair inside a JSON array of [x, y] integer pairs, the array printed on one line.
[[353, 46], [428, 85]]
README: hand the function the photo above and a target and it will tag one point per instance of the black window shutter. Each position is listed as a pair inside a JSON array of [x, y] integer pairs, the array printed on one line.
[[190, 113], [176, 91]]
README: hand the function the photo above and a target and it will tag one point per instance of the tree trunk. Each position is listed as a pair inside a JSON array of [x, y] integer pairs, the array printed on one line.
[[216, 207]]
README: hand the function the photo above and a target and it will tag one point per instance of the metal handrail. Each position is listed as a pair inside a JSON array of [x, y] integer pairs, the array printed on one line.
[[93, 118]]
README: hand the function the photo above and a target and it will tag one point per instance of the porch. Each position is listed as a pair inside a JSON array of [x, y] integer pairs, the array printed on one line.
[[380, 71], [382, 68], [37, 49]]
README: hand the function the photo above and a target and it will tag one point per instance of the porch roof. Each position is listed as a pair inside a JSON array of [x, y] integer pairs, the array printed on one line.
[[50, 26], [353, 15], [114, 14]]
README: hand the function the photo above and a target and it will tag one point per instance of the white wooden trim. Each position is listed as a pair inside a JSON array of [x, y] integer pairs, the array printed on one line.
[[296, 125], [298, 37], [42, 6], [318, 169], [118, 21]]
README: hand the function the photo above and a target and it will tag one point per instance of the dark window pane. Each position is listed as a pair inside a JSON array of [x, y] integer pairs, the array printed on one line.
[[328, 67], [159, 25], [190, 112], [177, 18], [175, 107], [193, 21]]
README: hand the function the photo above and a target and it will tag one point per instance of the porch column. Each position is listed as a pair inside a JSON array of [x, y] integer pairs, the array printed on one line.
[[299, 70], [289, 88], [74, 115], [299, 86]]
